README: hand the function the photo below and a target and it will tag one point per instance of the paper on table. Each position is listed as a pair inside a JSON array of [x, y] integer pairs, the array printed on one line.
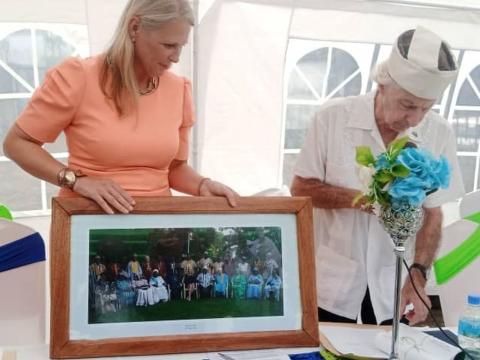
[[350, 341], [416, 345]]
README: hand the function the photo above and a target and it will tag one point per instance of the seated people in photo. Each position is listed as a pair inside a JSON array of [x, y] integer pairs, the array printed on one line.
[[229, 266], [97, 269], [221, 283], [217, 266], [147, 267], [144, 292], [355, 263], [159, 287], [113, 271], [263, 245], [134, 268], [272, 286], [243, 266], [189, 280], [259, 264], [270, 266], [205, 282], [239, 285], [105, 298], [254, 285], [204, 261], [125, 291], [162, 266], [174, 281]]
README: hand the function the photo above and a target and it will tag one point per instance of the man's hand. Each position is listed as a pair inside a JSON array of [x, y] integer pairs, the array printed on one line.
[[419, 312]]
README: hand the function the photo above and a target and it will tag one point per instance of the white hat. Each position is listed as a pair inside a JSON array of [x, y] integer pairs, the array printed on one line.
[[419, 73]]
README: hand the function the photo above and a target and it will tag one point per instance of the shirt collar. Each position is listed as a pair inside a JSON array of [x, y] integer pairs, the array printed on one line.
[[365, 120]]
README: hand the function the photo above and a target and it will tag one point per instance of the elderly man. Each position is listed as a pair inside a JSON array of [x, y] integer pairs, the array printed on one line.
[[354, 257]]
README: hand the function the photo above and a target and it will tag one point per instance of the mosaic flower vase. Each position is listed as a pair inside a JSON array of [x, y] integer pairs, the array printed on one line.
[[401, 223]]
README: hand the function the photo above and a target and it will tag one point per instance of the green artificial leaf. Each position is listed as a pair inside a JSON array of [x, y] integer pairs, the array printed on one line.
[[383, 177], [400, 170], [396, 146], [383, 198], [5, 213], [364, 156]]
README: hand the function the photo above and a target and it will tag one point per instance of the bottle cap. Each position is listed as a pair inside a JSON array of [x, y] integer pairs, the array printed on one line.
[[474, 299]]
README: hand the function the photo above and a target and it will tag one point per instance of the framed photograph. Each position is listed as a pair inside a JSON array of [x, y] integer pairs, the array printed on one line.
[[182, 274]]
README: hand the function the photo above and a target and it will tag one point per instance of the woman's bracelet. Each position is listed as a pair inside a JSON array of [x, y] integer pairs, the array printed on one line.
[[201, 183]]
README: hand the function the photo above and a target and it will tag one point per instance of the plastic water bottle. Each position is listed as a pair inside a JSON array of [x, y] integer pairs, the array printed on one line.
[[469, 327]]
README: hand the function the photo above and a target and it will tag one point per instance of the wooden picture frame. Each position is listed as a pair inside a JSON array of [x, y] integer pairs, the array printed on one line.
[[69, 216]]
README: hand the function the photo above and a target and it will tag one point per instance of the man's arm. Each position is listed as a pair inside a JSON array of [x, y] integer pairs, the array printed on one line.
[[325, 195], [426, 246]]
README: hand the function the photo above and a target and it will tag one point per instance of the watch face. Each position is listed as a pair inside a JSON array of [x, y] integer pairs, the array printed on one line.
[[69, 176]]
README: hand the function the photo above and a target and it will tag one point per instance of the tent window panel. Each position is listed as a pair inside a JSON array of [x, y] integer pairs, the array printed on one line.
[[342, 69], [26, 54], [467, 167], [314, 67], [59, 146], [298, 120], [51, 50], [466, 125], [17, 57], [298, 88], [9, 84], [19, 191], [350, 87], [469, 94], [9, 111]]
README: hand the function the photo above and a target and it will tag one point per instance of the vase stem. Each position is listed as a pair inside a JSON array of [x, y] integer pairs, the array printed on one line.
[[399, 254]]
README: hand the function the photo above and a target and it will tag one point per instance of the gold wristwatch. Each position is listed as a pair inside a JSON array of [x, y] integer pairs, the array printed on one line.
[[68, 177]]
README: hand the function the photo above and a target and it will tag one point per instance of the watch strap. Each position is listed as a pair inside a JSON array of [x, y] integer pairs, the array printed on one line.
[[67, 177], [422, 268]]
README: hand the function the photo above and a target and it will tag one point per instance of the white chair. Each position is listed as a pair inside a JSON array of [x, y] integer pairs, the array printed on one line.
[[22, 303], [453, 294]]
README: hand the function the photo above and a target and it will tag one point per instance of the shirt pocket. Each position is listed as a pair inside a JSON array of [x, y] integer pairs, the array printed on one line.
[[341, 175]]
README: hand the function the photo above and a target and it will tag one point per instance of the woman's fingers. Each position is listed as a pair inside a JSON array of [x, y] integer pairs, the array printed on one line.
[[118, 202], [106, 193], [215, 188]]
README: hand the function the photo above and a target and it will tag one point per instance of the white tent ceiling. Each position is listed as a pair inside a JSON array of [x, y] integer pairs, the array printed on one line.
[[240, 62]]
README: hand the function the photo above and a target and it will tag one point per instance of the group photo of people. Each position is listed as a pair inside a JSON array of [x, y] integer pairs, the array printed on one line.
[[184, 273]]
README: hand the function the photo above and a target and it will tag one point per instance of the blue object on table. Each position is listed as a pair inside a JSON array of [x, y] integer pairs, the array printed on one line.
[[307, 356], [27, 250], [441, 336]]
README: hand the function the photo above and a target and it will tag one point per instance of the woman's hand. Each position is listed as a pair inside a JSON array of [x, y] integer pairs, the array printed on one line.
[[214, 188], [105, 193]]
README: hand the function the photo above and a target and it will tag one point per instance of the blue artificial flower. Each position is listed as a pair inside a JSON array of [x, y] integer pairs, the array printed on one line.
[[382, 162], [426, 174]]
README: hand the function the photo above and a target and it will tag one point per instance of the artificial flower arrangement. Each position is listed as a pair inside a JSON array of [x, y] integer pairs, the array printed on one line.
[[402, 175]]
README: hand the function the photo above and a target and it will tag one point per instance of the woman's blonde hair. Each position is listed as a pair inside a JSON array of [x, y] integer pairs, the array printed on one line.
[[117, 76]]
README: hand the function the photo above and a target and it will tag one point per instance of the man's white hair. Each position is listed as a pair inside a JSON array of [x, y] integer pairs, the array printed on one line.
[[380, 74]]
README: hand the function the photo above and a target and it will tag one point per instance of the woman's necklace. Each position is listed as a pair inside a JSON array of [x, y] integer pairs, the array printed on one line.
[[151, 86]]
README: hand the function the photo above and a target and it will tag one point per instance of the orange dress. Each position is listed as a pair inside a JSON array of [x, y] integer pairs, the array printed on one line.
[[134, 150]]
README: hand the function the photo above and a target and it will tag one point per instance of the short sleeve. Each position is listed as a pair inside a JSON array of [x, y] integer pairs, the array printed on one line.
[[54, 104], [187, 121], [311, 163], [455, 190]]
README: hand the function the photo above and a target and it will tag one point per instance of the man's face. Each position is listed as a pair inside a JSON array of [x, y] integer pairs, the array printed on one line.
[[401, 110]]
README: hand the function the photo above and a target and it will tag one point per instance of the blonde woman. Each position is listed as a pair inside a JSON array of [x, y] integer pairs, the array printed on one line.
[[126, 117]]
